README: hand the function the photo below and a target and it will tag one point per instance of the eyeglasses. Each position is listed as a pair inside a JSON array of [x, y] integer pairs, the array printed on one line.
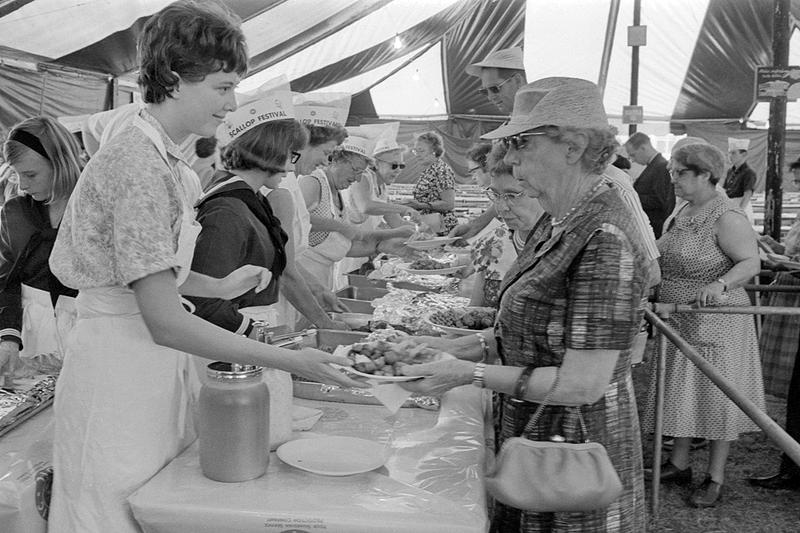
[[295, 157], [518, 142], [494, 89], [418, 151], [505, 197], [271, 170], [394, 166], [681, 172]]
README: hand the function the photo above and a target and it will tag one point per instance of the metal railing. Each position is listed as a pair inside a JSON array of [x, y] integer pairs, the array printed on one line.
[[656, 316]]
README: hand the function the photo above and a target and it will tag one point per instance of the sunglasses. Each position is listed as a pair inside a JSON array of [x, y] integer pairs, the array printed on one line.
[[494, 89], [518, 142], [394, 166]]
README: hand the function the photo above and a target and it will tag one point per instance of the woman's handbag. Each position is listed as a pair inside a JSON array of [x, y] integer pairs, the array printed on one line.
[[547, 476]]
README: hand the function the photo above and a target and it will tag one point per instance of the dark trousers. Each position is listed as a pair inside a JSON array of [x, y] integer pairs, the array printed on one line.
[[793, 416]]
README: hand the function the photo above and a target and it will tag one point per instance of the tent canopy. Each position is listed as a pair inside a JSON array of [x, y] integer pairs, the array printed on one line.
[[406, 58], [698, 64]]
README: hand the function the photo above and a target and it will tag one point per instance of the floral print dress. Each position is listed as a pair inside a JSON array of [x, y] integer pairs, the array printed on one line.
[[436, 178]]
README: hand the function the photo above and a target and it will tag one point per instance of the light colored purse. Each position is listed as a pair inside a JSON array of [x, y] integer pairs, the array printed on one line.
[[548, 476]]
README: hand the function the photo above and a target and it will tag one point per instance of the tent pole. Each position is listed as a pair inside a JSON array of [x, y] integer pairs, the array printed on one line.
[[637, 17], [773, 192], [608, 45]]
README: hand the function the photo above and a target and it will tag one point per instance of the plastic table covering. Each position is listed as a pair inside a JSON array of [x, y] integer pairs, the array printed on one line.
[[26, 455], [432, 482]]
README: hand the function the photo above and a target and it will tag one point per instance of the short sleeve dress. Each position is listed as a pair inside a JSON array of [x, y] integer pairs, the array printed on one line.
[[436, 178], [693, 405], [581, 286]]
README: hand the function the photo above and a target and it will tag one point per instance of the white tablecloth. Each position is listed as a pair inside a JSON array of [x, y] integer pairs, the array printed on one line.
[[432, 482]]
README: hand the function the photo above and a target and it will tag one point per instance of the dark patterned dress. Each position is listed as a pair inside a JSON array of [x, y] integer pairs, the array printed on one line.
[[580, 286], [436, 178]]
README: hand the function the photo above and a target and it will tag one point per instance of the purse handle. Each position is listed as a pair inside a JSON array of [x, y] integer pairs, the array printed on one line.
[[545, 401]]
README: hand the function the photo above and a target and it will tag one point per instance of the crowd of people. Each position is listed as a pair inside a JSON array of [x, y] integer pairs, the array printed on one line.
[[192, 219]]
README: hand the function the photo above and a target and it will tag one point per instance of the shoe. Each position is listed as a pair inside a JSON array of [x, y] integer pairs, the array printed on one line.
[[671, 474], [779, 481], [707, 494]]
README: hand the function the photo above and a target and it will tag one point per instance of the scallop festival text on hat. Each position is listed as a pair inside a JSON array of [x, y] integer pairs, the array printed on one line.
[[276, 105], [564, 102], [357, 145], [505, 58]]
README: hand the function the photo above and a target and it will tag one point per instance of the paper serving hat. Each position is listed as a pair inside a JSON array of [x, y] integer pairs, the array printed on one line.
[[505, 58], [738, 144], [565, 102], [357, 145], [269, 102], [382, 137], [322, 109]]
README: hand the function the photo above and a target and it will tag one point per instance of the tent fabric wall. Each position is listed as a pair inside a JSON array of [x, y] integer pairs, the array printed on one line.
[[25, 93], [718, 134], [492, 26]]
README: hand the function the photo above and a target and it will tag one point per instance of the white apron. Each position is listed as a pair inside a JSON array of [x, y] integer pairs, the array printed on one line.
[[321, 259], [124, 404], [45, 329]]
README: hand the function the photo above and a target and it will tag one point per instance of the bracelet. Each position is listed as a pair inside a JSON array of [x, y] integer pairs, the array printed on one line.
[[484, 347], [522, 383], [478, 375]]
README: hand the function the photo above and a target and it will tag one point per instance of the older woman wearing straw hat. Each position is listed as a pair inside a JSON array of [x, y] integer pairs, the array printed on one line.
[[569, 308]]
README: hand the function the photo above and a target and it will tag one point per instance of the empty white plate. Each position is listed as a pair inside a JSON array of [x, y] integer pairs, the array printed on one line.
[[333, 456]]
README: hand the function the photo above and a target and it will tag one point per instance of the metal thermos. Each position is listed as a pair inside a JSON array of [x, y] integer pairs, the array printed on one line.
[[234, 424]]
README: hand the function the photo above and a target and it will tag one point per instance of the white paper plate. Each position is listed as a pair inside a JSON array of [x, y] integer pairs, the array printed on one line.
[[430, 243], [333, 456], [431, 272]]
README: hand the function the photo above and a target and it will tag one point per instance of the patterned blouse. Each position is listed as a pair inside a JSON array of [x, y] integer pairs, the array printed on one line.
[[436, 178], [124, 216]]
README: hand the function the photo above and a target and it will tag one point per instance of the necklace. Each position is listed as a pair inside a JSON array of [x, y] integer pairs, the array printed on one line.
[[578, 205]]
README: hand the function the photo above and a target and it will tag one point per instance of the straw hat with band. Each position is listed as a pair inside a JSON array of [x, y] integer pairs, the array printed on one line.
[[510, 58], [564, 102]]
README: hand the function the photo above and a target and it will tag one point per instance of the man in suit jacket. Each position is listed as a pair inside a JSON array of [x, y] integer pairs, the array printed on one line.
[[653, 185]]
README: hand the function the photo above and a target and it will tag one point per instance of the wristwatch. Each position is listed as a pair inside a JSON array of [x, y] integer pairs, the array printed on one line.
[[478, 375], [724, 284]]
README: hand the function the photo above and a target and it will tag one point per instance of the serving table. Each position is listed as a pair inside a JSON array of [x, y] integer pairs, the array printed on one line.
[[433, 480]]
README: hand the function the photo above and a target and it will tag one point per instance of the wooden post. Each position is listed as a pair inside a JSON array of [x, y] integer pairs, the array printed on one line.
[[637, 17], [773, 190]]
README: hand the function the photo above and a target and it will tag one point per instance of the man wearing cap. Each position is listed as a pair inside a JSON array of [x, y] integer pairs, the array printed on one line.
[[502, 73], [740, 181], [654, 185]]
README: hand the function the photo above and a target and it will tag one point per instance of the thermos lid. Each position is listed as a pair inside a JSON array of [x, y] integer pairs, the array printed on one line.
[[222, 371]]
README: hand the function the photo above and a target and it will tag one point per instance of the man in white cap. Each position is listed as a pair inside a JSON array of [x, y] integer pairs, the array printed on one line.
[[502, 74], [740, 181]]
